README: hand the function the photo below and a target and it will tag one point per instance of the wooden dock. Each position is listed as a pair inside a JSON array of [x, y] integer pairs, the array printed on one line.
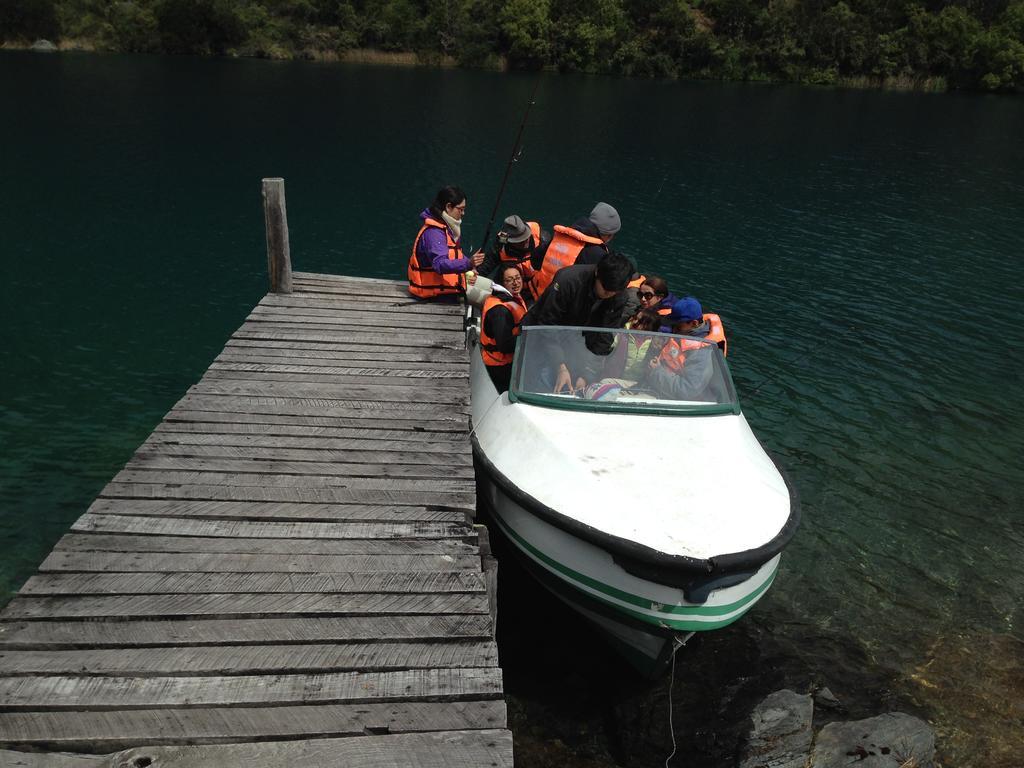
[[285, 572]]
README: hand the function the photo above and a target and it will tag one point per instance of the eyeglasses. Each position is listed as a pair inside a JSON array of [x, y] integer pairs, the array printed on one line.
[[646, 295], [460, 208]]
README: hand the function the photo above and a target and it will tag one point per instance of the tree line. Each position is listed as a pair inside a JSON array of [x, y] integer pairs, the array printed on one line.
[[972, 44]]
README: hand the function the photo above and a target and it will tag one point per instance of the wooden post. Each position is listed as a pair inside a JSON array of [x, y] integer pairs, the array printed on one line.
[[279, 257]]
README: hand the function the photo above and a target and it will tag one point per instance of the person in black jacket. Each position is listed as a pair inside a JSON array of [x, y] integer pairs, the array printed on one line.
[[585, 295]]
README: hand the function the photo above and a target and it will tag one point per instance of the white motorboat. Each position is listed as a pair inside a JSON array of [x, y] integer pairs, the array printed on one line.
[[654, 517]]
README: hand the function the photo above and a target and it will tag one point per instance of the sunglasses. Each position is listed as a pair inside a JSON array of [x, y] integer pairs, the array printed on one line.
[[647, 295]]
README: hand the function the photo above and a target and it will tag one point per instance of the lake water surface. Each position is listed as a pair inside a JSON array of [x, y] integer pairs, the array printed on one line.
[[861, 247]]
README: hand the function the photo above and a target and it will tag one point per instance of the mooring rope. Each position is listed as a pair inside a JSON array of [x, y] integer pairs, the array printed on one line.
[[671, 685]]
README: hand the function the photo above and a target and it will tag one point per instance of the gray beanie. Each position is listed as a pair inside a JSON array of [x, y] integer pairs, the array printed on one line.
[[515, 229], [606, 219]]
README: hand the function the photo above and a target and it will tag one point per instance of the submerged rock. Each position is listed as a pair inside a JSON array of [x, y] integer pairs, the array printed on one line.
[[887, 741], [44, 46], [825, 699], [781, 733]]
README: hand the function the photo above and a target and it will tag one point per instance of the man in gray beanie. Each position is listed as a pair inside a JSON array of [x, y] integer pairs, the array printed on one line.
[[585, 242], [606, 219]]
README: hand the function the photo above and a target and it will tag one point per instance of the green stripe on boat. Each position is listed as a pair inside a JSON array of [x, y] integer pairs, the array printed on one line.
[[669, 613]]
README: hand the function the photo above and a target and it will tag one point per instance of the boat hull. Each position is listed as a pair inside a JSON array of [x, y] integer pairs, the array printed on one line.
[[643, 619]]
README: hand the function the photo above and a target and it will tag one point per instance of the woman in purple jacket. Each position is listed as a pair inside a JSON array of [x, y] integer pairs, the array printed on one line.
[[437, 267]]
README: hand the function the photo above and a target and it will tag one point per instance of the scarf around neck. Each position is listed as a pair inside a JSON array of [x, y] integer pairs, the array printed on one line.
[[453, 224]]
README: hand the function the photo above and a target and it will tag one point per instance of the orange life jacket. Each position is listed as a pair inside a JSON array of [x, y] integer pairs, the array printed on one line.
[[424, 282], [637, 282], [488, 345], [673, 356], [523, 262], [717, 332], [563, 250]]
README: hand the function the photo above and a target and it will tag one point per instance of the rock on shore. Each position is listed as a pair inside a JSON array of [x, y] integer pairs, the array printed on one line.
[[781, 736]]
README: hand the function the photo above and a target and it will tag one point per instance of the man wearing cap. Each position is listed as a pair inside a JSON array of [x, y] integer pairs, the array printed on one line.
[[585, 242], [515, 244], [683, 370]]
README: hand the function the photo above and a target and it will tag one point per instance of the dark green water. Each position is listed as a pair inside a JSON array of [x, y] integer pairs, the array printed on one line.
[[861, 247]]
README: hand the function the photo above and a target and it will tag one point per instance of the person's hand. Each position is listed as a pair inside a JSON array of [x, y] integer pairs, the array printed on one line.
[[655, 362], [564, 380], [477, 258], [581, 385]]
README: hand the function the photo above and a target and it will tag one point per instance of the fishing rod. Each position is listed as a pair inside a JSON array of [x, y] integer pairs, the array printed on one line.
[[516, 152]]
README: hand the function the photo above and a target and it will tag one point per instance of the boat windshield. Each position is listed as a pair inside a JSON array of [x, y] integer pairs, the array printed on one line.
[[621, 370]]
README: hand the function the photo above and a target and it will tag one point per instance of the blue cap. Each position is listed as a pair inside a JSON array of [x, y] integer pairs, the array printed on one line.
[[685, 311]]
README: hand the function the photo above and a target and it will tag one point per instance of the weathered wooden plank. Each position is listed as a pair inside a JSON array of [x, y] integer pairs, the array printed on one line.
[[375, 410], [329, 385], [343, 352], [258, 444], [355, 318], [121, 633], [456, 383], [17, 759], [350, 349], [282, 511], [311, 419], [388, 305], [157, 562], [373, 285], [151, 460], [351, 329], [385, 337], [451, 436], [378, 459], [251, 660], [340, 404], [395, 303], [424, 394], [93, 542], [137, 488], [344, 371], [342, 361], [384, 307], [63, 692], [465, 749], [390, 318], [448, 749], [99, 523], [301, 482], [336, 339], [240, 604], [382, 337], [109, 730], [231, 583]]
